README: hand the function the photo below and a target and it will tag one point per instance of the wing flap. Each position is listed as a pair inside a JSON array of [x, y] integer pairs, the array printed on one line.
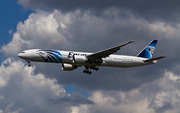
[[107, 52]]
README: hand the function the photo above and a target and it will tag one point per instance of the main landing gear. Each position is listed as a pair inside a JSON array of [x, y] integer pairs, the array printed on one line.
[[90, 72], [94, 68], [29, 64]]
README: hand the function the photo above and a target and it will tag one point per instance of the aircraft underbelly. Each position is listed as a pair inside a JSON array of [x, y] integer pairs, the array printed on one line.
[[36, 59], [121, 63], [116, 63]]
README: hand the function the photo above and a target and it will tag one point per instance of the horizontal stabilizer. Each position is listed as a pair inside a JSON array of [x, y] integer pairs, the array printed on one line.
[[152, 59]]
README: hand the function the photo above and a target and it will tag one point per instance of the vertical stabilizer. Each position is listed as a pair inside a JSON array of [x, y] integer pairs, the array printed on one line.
[[148, 51]]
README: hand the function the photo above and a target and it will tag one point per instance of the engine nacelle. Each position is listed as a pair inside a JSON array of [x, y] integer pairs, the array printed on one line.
[[68, 67], [79, 59]]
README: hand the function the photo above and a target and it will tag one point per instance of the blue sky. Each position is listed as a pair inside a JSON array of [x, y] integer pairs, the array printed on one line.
[[11, 14]]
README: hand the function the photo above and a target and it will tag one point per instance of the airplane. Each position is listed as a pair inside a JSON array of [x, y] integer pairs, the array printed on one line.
[[71, 60]]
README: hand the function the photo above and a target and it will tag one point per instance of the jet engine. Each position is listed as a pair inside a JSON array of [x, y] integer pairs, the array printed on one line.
[[79, 59], [68, 67]]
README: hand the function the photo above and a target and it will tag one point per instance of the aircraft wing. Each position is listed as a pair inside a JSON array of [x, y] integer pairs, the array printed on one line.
[[107, 52]]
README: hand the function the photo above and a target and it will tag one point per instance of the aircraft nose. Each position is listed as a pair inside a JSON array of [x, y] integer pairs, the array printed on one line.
[[22, 55]]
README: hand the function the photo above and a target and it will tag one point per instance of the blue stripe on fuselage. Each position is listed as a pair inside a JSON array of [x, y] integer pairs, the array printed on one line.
[[58, 57], [54, 58]]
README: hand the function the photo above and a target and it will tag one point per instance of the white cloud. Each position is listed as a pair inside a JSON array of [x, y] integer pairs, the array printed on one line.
[[39, 30], [20, 86], [75, 109], [101, 99], [143, 99], [57, 30], [23, 91], [10, 31], [8, 109]]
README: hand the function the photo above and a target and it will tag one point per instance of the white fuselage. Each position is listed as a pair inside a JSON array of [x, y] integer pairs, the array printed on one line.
[[67, 57]]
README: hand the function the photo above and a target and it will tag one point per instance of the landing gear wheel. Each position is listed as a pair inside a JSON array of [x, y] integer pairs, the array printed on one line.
[[28, 63], [87, 72], [84, 71], [91, 67], [97, 69], [90, 72]]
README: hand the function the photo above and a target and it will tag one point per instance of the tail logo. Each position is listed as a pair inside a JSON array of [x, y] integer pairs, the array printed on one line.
[[151, 50], [148, 51]]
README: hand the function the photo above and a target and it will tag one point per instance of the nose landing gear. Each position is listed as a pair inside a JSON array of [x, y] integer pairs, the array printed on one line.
[[29, 64]]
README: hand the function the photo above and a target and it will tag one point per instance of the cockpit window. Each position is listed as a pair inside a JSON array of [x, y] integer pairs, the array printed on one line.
[[23, 52]]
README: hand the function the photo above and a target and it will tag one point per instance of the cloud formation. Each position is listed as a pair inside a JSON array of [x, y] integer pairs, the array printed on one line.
[[149, 89], [152, 10], [159, 96], [74, 30], [23, 91]]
